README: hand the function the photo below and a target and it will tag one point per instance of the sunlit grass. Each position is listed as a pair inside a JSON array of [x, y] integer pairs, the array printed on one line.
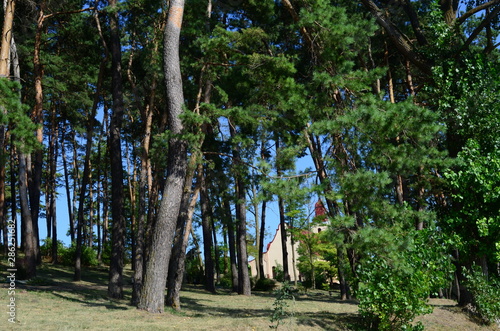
[[53, 301]]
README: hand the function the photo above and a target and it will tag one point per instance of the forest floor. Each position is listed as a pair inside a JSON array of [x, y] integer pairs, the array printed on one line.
[[53, 301]]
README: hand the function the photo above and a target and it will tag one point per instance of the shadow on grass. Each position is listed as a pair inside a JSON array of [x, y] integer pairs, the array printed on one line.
[[200, 308], [58, 281], [331, 321], [89, 303]]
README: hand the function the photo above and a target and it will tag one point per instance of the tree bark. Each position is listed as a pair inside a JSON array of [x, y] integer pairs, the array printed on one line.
[[29, 238], [6, 37], [152, 294], [177, 265], [87, 172], [5, 46], [207, 232], [232, 244], [262, 238], [115, 286]]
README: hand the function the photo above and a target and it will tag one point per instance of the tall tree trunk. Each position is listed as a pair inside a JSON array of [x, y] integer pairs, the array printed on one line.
[[262, 237], [67, 188], [53, 146], [207, 231], [177, 264], [35, 181], [281, 208], [86, 173], [115, 286], [147, 117], [244, 286], [29, 238], [152, 294], [232, 243], [332, 209], [9, 8]]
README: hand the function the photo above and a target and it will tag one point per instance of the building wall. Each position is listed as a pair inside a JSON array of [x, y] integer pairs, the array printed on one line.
[[274, 256]]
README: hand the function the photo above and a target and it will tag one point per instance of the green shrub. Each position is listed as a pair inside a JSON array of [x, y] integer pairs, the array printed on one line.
[[46, 248], [88, 257], [279, 273], [264, 284], [226, 280], [390, 298], [396, 279], [485, 293]]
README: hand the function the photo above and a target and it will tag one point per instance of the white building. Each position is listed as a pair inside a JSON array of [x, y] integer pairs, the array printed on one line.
[[274, 253]]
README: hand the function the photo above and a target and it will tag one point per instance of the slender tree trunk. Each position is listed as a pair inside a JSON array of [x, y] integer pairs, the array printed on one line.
[[232, 244], [147, 116], [67, 187], [115, 286], [281, 208], [37, 115], [241, 240], [262, 237], [29, 243], [152, 294], [207, 232], [244, 286], [86, 173], [177, 265], [255, 203], [9, 7], [53, 187]]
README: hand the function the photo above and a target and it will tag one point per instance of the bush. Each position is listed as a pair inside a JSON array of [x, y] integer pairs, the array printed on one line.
[[279, 273], [88, 258], [264, 284], [226, 280], [46, 248], [390, 298], [485, 293]]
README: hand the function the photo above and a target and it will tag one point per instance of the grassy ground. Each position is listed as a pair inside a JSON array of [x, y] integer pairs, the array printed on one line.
[[54, 302]]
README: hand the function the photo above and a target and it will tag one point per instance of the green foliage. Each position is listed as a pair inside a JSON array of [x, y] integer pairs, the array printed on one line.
[[281, 305], [279, 273], [88, 257], [13, 113], [486, 294], [466, 93], [395, 276], [475, 189], [264, 284], [46, 247]]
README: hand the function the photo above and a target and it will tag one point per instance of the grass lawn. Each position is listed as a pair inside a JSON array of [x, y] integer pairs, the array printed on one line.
[[54, 302]]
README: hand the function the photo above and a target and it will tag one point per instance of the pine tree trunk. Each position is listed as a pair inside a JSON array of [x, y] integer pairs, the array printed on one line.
[[207, 232], [152, 294], [86, 173], [115, 286], [177, 264], [52, 187], [147, 116], [4, 72], [244, 286], [29, 238], [67, 188], [232, 244], [6, 37], [262, 237]]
